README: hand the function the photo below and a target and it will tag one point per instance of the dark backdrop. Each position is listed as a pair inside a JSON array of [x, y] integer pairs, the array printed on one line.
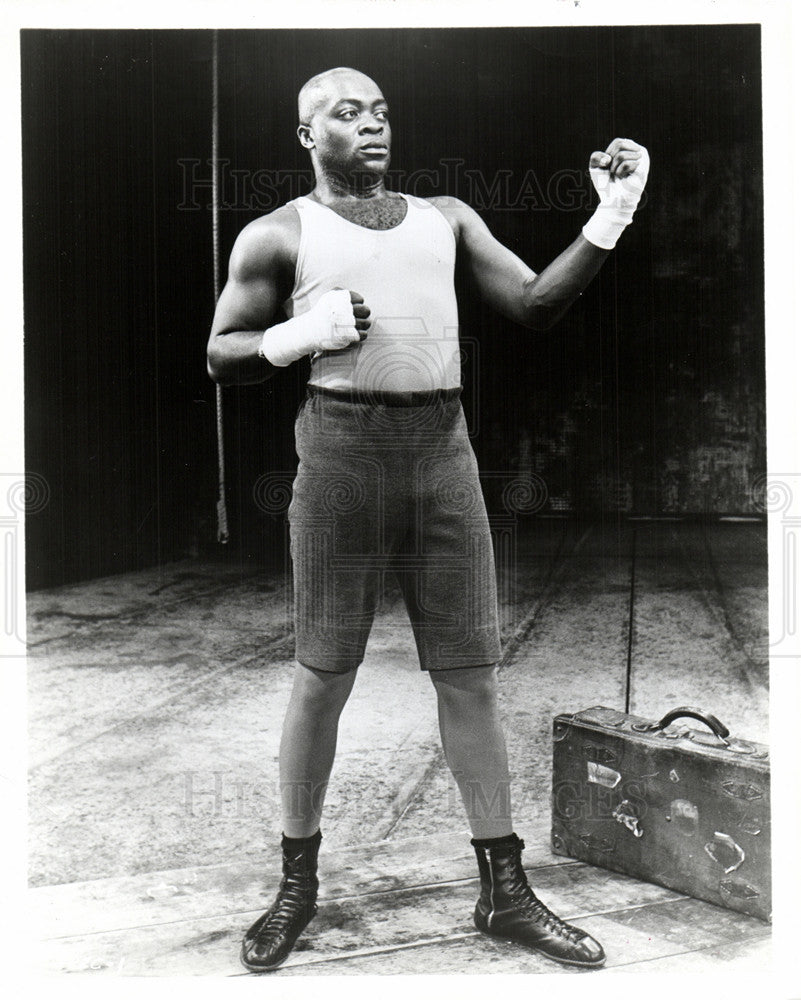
[[648, 398]]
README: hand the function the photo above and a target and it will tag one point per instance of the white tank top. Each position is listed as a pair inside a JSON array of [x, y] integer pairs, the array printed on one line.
[[405, 275]]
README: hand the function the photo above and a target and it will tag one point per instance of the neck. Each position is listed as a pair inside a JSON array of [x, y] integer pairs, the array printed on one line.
[[332, 186]]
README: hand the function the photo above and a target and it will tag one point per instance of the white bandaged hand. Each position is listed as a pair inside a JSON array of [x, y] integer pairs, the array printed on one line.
[[618, 175], [328, 326]]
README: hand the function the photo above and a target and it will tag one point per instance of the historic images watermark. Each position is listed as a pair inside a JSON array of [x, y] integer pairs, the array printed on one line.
[[779, 496], [21, 495], [504, 190], [521, 494], [226, 795]]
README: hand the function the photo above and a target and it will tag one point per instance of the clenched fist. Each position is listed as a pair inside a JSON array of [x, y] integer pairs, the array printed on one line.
[[337, 319], [618, 174]]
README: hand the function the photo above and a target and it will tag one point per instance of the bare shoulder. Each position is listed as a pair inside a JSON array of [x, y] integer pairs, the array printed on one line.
[[268, 244], [458, 213]]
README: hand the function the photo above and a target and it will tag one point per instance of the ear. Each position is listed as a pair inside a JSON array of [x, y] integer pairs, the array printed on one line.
[[305, 136]]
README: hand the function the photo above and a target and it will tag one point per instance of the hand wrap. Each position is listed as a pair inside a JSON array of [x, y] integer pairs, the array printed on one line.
[[328, 326], [619, 197]]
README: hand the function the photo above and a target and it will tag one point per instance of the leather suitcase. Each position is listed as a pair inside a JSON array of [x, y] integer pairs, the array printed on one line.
[[684, 808]]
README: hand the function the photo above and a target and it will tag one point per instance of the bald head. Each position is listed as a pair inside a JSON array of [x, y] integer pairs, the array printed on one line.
[[330, 86]]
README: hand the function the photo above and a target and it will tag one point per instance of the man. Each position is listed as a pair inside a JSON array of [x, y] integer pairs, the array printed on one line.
[[387, 480]]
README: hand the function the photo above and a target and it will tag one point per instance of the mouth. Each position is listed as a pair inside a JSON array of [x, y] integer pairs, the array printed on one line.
[[374, 149]]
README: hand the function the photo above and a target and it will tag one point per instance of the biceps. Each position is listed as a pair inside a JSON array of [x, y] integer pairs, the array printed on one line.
[[245, 305], [499, 273]]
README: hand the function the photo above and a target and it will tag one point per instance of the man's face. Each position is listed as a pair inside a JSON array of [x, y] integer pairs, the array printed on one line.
[[350, 126]]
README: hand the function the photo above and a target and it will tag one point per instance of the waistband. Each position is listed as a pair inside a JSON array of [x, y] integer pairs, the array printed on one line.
[[374, 397]]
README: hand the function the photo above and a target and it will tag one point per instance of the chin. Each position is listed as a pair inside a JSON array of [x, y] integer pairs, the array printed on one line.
[[369, 171]]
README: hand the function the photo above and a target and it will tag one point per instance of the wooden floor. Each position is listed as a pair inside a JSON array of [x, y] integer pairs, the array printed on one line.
[[396, 908], [155, 706]]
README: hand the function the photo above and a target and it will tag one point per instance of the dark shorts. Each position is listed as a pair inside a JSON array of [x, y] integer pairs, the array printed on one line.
[[390, 489]]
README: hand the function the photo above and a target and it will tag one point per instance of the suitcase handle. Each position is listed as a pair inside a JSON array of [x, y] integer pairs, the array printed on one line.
[[714, 724]]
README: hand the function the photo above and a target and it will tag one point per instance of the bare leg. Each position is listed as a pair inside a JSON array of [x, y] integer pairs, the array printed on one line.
[[476, 753], [308, 745], [474, 745]]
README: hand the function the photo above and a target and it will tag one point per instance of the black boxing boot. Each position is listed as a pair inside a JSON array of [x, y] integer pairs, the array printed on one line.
[[269, 941], [507, 907]]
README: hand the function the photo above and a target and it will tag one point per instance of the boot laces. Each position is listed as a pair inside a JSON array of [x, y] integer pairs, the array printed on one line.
[[532, 906]]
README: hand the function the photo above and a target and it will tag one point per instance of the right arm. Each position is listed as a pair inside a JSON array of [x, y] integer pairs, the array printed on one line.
[[259, 278], [241, 351]]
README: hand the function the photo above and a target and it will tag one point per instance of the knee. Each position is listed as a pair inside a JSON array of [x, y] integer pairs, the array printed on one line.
[[473, 685], [321, 692]]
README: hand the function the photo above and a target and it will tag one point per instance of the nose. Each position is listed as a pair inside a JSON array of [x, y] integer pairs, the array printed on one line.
[[371, 126]]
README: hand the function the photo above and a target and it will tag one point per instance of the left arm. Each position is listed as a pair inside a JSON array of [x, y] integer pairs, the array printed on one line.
[[539, 300], [510, 286]]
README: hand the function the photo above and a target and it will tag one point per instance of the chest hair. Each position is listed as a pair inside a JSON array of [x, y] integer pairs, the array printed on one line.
[[374, 213]]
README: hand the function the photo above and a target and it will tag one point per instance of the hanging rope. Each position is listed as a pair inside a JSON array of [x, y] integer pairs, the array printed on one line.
[[222, 511], [631, 618]]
